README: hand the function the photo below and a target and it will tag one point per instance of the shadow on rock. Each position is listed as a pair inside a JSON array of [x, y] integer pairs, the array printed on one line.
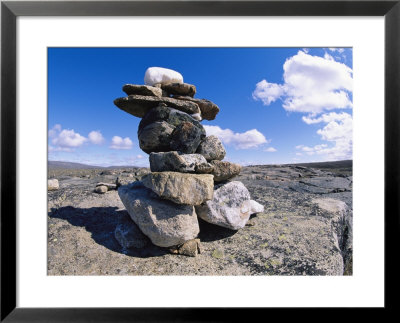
[[101, 223], [211, 232]]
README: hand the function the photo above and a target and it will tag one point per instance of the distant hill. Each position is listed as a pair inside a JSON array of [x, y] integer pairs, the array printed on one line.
[[329, 164], [53, 164]]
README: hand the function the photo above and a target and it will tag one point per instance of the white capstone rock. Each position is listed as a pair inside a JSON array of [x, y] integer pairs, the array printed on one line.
[[230, 207], [162, 75]]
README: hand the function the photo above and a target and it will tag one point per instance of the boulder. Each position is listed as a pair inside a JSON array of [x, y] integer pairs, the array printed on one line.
[[164, 222], [129, 235], [224, 170], [190, 248], [229, 208], [52, 184], [256, 207], [186, 138], [179, 89], [101, 189], [109, 185], [208, 109], [145, 90], [139, 105], [154, 75], [181, 188], [155, 137], [176, 162], [211, 148]]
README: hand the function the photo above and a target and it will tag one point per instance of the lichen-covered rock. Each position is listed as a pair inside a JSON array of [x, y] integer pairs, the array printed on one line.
[[176, 162], [154, 75], [186, 138], [155, 137], [211, 148], [190, 248], [164, 222], [129, 235], [52, 184], [179, 89], [224, 170], [181, 188], [209, 110], [131, 89], [229, 208], [139, 105]]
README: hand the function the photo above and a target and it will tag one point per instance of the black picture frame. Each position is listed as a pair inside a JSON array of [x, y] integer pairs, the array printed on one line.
[[10, 10]]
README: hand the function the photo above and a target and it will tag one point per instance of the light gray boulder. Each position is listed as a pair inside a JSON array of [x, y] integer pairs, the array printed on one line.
[[181, 188], [164, 222], [52, 184], [230, 207], [211, 148], [101, 189], [175, 162]]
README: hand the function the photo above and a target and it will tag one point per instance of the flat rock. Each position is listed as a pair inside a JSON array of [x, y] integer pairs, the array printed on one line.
[[224, 170], [154, 75], [181, 188], [155, 137], [164, 222], [179, 89], [176, 162], [139, 105], [230, 207], [211, 148], [52, 184], [129, 235], [146, 90], [209, 110], [109, 185], [186, 138]]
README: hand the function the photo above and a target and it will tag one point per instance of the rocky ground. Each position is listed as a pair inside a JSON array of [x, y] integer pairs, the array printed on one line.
[[306, 228]]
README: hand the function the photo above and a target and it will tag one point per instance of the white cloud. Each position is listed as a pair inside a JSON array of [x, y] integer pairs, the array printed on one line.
[[68, 138], [54, 131], [327, 117], [121, 143], [312, 84], [270, 149], [96, 137], [336, 49], [245, 140]]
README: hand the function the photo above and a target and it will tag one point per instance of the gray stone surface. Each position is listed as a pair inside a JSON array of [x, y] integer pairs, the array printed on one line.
[[211, 148], [176, 162], [101, 189], [139, 105], [146, 90], [129, 235], [156, 137], [209, 110], [224, 170], [229, 208], [186, 137], [181, 188], [179, 89], [164, 222], [52, 184]]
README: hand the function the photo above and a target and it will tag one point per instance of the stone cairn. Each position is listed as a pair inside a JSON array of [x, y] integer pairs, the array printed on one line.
[[188, 178]]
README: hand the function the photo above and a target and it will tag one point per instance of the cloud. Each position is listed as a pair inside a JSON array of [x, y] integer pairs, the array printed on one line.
[[54, 131], [312, 84], [270, 149], [96, 137], [245, 140], [68, 138], [336, 49], [121, 143]]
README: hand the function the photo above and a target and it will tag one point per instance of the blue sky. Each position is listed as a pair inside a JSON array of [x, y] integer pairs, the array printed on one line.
[[277, 105]]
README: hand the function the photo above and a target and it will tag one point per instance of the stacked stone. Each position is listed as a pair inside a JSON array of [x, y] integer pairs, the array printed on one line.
[[188, 177]]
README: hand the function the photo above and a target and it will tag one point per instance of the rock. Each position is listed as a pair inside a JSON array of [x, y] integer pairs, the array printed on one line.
[[208, 109], [224, 170], [155, 137], [196, 116], [186, 138], [124, 180], [172, 116], [107, 172], [52, 184], [256, 207], [211, 148], [165, 223], [101, 189], [145, 90], [129, 235], [204, 168], [176, 162], [108, 185], [181, 188], [179, 89], [229, 208], [154, 75], [190, 248], [139, 105]]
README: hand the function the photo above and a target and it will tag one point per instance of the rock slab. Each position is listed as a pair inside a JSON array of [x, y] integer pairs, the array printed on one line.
[[176, 162]]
